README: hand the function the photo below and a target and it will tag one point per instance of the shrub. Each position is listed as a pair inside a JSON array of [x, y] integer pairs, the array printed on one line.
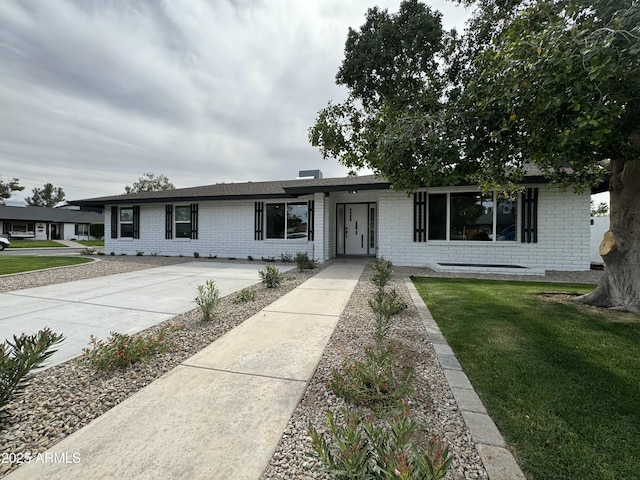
[[362, 449], [96, 230], [196, 255], [304, 262], [138, 253], [382, 272], [245, 295], [17, 359], [121, 350], [271, 276], [250, 258], [100, 252], [375, 382], [286, 257], [208, 299], [385, 304], [88, 251]]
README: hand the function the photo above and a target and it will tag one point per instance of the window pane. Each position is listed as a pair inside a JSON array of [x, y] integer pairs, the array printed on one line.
[[471, 216], [126, 229], [438, 217], [506, 220], [183, 230], [275, 220], [183, 214], [297, 220], [126, 214]]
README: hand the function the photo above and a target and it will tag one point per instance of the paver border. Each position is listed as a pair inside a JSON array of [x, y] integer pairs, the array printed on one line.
[[497, 459]]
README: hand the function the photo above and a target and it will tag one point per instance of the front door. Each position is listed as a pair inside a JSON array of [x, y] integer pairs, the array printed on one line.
[[356, 232]]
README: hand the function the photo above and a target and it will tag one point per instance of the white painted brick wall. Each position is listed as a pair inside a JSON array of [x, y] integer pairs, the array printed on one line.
[[563, 236], [225, 230]]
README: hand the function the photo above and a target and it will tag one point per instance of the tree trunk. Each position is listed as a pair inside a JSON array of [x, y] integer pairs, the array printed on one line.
[[619, 287]]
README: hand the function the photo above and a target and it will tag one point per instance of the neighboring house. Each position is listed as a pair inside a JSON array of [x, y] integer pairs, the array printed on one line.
[[42, 223], [452, 228]]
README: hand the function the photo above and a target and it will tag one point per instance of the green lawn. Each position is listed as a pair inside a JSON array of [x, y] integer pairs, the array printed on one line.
[[26, 263], [91, 243], [35, 243], [561, 381]]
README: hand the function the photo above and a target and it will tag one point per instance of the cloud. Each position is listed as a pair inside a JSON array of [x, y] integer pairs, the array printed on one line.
[[94, 92]]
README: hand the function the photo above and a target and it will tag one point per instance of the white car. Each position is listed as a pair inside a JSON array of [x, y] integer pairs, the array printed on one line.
[[4, 243]]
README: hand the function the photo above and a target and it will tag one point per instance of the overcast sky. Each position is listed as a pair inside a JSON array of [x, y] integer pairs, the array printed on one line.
[[94, 93]]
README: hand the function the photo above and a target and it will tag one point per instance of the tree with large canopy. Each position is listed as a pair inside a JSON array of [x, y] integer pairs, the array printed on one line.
[[555, 84]]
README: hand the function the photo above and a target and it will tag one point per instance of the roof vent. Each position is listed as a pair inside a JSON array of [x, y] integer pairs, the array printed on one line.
[[310, 173]]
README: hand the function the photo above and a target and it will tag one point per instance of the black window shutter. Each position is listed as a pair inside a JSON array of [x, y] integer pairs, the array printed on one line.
[[75, 229], [114, 222], [420, 217], [136, 221], [168, 222], [259, 221], [311, 205], [194, 221], [529, 229]]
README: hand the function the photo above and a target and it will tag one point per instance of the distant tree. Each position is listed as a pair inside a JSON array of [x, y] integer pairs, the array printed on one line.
[[149, 182], [602, 210], [47, 196], [7, 188]]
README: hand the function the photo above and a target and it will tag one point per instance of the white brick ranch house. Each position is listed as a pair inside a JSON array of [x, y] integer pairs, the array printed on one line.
[[448, 228]]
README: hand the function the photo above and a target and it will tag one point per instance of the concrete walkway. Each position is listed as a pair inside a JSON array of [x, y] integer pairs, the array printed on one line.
[[125, 303], [221, 413]]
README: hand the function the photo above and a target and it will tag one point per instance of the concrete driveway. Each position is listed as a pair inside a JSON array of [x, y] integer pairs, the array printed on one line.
[[124, 303]]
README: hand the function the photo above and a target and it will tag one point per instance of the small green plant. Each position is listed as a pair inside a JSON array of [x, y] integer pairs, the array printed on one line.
[[196, 255], [304, 262], [139, 253], [381, 273], [245, 295], [250, 258], [362, 449], [121, 350], [268, 259], [17, 359], [208, 299], [286, 257], [385, 304], [112, 253], [271, 276], [375, 382], [88, 251], [100, 252], [212, 257], [155, 254]]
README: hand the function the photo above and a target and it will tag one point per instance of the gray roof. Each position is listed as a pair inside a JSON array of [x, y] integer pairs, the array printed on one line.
[[246, 190], [44, 214]]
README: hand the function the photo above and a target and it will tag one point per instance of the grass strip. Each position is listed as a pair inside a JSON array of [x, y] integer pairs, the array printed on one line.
[[561, 381], [36, 244], [27, 263]]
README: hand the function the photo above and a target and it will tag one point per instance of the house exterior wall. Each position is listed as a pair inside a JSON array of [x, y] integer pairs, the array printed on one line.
[[225, 230], [563, 236]]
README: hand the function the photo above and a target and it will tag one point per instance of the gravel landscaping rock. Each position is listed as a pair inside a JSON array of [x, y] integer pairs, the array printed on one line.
[[64, 398]]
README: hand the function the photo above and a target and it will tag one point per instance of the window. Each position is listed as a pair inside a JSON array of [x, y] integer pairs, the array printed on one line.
[[291, 219], [126, 222], [438, 217], [471, 216], [82, 229], [183, 221]]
